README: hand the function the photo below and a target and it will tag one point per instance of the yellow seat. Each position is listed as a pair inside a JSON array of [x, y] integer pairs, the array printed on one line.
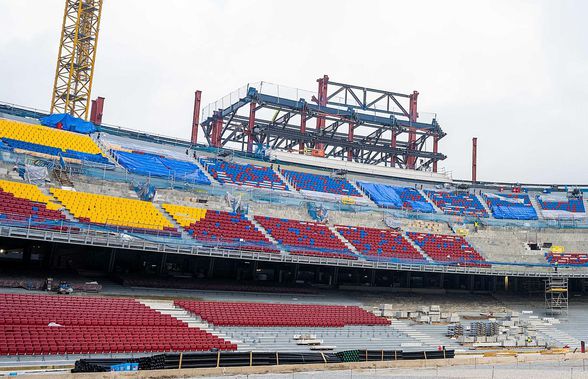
[[185, 216], [110, 210], [43, 135], [29, 192]]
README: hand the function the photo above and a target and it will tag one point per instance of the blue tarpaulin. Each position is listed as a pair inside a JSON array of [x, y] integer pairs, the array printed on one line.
[[388, 196], [68, 122], [514, 212], [157, 166]]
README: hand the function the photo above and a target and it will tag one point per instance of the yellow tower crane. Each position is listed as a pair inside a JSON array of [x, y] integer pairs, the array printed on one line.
[[77, 53]]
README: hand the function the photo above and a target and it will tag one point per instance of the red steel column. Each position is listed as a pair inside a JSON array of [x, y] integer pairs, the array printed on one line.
[[302, 129], [250, 126], [435, 150], [474, 158], [350, 139], [413, 113], [393, 145], [196, 117], [97, 110], [322, 101]]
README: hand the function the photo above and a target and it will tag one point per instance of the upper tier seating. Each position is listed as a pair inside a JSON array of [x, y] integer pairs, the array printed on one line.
[[85, 325], [126, 214], [380, 243], [387, 196], [26, 202], [160, 166], [567, 259], [515, 206], [243, 174], [220, 228], [457, 203], [567, 205], [266, 314], [50, 141], [320, 183], [448, 249], [305, 238]]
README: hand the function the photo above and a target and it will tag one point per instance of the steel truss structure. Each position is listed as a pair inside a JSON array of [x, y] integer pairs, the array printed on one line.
[[77, 53], [344, 121]]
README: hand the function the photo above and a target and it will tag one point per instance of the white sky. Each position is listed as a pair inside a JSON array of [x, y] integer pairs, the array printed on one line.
[[512, 73]]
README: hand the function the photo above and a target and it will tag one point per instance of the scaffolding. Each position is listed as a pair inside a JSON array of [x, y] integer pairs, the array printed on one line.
[[556, 296]]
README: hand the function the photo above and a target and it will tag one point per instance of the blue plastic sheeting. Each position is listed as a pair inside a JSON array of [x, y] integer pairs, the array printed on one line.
[[68, 122], [387, 196], [153, 165], [514, 213]]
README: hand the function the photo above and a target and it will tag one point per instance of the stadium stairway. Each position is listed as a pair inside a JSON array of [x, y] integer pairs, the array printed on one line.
[[435, 207], [537, 207], [105, 150], [484, 205], [167, 307], [424, 339], [283, 179], [557, 336], [342, 239], [264, 232], [178, 227], [417, 247], [196, 161], [63, 209]]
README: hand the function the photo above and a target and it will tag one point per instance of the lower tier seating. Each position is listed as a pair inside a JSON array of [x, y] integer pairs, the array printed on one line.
[[266, 314], [124, 214], [448, 249], [26, 202], [305, 238], [380, 243], [45, 324], [567, 259], [220, 228]]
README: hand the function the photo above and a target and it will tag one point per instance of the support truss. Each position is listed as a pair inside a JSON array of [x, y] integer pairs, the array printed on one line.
[[343, 121], [77, 53]]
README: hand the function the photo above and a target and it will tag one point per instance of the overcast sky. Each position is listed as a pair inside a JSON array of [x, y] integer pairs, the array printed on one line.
[[512, 73]]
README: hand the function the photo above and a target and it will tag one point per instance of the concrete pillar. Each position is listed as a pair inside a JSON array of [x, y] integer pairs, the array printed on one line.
[[373, 278], [408, 279], [494, 283], [111, 261], [335, 276], [441, 280], [472, 283], [296, 269], [163, 264], [210, 268]]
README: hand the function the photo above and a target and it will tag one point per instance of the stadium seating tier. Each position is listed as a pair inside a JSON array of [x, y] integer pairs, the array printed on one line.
[[267, 314], [320, 183], [45, 324], [243, 174], [305, 238], [448, 249], [457, 203]]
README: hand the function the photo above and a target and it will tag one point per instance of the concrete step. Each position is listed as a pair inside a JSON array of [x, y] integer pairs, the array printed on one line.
[[173, 222], [192, 320], [417, 247], [535, 205], [64, 210], [435, 207], [264, 232], [483, 202], [348, 244], [205, 171]]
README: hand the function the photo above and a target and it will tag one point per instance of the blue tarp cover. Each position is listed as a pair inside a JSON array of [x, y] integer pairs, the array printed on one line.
[[387, 196], [69, 122], [514, 212], [154, 165]]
